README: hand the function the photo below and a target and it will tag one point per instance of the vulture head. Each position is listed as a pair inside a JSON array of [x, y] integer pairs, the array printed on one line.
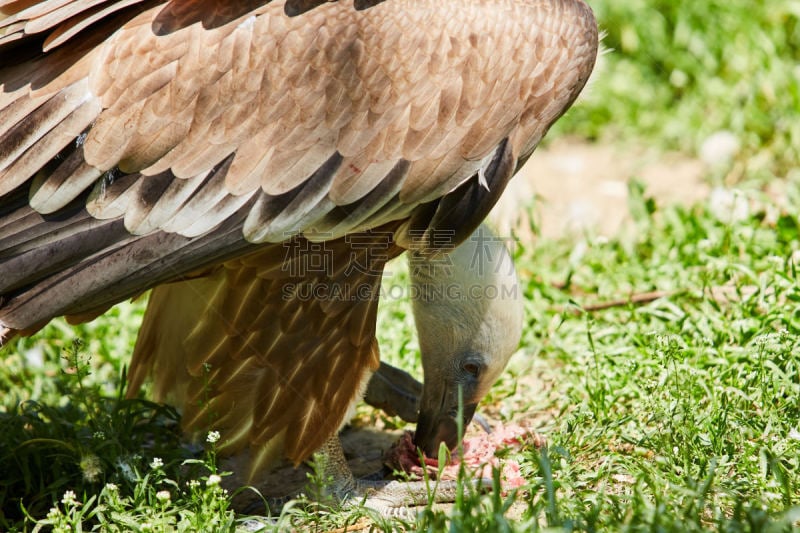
[[468, 312]]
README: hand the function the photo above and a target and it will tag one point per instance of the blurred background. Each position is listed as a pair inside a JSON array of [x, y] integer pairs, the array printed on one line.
[[690, 98]]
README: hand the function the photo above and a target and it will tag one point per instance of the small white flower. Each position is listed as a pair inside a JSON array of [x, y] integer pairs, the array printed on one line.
[[69, 498], [147, 526], [53, 513], [99, 435], [111, 487], [213, 437], [728, 205], [678, 78], [794, 434], [163, 496], [92, 467], [193, 484], [156, 463], [213, 480]]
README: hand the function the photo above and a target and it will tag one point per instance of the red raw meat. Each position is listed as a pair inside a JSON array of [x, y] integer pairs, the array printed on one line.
[[479, 455]]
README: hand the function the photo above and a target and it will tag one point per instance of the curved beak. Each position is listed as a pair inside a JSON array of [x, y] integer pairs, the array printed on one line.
[[438, 423]]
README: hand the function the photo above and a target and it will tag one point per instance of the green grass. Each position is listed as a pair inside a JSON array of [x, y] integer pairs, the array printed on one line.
[[678, 414], [678, 71]]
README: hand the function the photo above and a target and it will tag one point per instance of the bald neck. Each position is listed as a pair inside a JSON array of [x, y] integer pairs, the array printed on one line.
[[468, 300]]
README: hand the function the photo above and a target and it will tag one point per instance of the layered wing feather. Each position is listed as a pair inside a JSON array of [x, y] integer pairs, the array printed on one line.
[[247, 342], [285, 122]]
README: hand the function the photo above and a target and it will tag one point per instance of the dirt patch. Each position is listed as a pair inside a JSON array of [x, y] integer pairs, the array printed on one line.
[[575, 187]]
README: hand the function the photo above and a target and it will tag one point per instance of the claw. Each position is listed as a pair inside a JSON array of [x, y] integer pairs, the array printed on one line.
[[482, 423], [402, 499]]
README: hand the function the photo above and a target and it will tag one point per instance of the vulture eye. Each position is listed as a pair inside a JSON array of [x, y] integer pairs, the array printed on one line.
[[472, 368]]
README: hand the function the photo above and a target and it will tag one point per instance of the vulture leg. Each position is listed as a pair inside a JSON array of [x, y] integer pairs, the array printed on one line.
[[395, 392]]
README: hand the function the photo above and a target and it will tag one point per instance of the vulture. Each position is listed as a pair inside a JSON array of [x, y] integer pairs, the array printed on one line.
[[257, 163]]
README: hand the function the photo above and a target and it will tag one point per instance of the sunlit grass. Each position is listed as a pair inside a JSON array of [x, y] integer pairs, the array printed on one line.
[[678, 71]]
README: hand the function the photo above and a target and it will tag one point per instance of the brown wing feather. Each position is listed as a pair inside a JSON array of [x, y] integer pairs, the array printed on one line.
[[260, 352], [318, 91], [63, 19]]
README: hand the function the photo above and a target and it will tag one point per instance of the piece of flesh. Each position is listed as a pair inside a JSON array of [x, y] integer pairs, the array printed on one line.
[[479, 455]]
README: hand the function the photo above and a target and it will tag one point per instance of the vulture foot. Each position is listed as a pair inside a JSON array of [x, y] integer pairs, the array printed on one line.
[[402, 498], [389, 498]]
